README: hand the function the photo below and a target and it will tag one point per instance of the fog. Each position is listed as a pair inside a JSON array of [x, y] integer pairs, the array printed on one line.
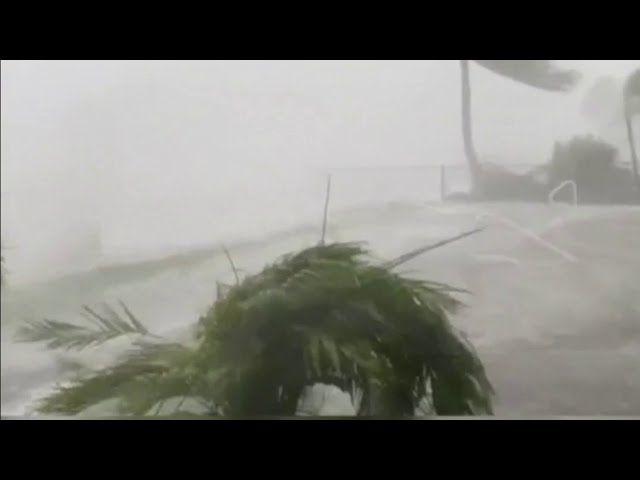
[[116, 162], [195, 152]]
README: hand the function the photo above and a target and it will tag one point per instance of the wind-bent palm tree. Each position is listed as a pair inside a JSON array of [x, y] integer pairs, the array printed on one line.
[[535, 73], [631, 94], [326, 314]]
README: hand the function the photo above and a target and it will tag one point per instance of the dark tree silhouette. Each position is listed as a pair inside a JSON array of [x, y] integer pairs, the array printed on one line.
[[632, 94], [541, 74]]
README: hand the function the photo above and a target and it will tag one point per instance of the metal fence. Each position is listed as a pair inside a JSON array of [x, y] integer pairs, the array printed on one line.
[[418, 183]]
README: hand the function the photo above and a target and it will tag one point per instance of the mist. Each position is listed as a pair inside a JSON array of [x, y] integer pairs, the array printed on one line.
[[155, 154], [121, 180]]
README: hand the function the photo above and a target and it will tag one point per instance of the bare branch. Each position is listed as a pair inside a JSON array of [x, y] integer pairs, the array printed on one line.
[[326, 210]]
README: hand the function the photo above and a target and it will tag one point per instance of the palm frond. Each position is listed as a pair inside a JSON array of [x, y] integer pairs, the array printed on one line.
[[70, 336], [148, 374], [542, 74], [72, 366], [222, 289], [83, 393], [322, 315], [632, 84], [632, 94], [404, 258], [352, 323], [133, 319]]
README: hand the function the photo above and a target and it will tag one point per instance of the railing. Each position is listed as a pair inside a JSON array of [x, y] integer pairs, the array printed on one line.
[[555, 191], [527, 233], [426, 182], [495, 258]]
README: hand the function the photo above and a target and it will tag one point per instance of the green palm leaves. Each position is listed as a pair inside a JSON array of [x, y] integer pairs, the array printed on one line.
[[326, 314], [70, 336]]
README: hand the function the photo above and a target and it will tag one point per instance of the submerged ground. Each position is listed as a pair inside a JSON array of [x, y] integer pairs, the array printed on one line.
[[554, 310]]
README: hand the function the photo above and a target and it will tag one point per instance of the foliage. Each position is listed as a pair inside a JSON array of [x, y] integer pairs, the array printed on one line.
[[497, 183], [582, 155], [540, 74], [632, 85], [326, 314], [71, 336], [591, 163]]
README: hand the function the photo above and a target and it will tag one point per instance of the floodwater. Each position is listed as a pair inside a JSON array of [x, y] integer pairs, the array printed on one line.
[[554, 309]]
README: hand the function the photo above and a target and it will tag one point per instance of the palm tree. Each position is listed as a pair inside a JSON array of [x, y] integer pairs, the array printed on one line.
[[631, 94], [325, 314], [535, 73]]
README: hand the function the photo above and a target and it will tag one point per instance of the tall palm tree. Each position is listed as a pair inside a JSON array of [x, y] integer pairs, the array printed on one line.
[[539, 74], [631, 94]]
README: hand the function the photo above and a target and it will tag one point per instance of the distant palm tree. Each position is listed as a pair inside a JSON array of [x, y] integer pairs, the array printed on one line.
[[535, 73], [631, 94]]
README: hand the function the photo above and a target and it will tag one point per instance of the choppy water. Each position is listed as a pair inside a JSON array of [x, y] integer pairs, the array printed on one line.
[[559, 337]]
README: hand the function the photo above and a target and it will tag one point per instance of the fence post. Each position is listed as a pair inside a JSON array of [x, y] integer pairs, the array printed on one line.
[[443, 181]]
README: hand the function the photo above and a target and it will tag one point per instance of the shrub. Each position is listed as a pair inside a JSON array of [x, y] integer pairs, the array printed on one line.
[[591, 163], [496, 183]]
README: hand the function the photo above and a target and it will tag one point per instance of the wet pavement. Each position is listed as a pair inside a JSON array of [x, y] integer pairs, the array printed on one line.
[[558, 338]]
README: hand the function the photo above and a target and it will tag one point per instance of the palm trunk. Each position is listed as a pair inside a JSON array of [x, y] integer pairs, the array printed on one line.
[[1, 268], [387, 401], [634, 155], [467, 134]]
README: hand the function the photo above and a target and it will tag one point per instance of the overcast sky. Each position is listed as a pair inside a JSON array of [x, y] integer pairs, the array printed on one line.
[[83, 140]]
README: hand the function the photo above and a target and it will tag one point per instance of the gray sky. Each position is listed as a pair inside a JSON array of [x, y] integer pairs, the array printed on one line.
[[115, 142]]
